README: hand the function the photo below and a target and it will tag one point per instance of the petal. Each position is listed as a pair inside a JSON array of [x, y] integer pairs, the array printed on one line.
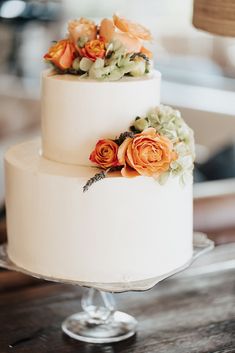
[[121, 23], [132, 28], [131, 156], [150, 131], [128, 172], [143, 171], [107, 29], [122, 150], [67, 57], [146, 52]]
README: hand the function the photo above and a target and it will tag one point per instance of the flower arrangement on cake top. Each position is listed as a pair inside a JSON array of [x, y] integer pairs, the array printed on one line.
[[159, 145], [110, 50]]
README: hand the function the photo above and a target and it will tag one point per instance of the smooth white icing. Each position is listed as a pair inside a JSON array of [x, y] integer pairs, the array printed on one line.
[[77, 112], [120, 230]]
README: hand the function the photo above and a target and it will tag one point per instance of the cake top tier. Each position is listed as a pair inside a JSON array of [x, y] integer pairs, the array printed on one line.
[[106, 51]]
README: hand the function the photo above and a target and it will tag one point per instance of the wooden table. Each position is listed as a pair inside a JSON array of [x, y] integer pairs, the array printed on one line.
[[192, 312]]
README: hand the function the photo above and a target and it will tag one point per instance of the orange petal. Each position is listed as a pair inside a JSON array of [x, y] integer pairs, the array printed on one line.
[[67, 58], [121, 23], [146, 52], [144, 171], [122, 151], [129, 156], [107, 29], [150, 132], [128, 172]]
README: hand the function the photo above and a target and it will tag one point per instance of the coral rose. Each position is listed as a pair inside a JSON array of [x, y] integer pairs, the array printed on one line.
[[105, 154], [93, 50], [130, 34], [83, 29], [61, 54], [148, 153]]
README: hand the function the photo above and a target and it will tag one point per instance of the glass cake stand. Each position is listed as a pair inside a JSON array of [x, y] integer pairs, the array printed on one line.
[[100, 322]]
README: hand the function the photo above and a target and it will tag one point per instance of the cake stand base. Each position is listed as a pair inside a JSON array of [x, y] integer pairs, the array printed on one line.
[[99, 322], [119, 328]]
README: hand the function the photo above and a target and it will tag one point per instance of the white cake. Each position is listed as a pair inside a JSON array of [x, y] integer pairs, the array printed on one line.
[[76, 113], [121, 230]]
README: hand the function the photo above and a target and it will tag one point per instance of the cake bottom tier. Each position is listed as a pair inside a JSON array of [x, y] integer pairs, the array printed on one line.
[[120, 230]]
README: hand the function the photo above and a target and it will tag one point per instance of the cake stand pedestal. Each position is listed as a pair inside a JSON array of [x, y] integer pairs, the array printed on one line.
[[99, 322]]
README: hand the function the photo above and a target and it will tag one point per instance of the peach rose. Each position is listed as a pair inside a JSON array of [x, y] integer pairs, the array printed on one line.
[[105, 154], [130, 34], [82, 28], [133, 29], [61, 54], [148, 153], [93, 50]]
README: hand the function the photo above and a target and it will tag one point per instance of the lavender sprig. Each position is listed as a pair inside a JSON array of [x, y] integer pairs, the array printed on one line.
[[99, 176]]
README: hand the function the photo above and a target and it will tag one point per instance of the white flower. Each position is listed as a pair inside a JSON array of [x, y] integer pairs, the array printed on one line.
[[85, 64], [139, 67]]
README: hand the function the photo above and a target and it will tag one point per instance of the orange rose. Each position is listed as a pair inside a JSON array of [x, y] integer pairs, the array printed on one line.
[[61, 54], [82, 28], [130, 34], [148, 153], [93, 50], [105, 154]]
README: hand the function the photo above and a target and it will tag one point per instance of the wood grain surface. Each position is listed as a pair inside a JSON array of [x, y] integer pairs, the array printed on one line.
[[186, 314]]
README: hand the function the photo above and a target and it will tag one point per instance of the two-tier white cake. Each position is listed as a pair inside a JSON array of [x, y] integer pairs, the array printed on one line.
[[122, 229]]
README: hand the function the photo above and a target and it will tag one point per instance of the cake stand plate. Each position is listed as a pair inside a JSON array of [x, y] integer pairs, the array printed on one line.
[[100, 322], [201, 245]]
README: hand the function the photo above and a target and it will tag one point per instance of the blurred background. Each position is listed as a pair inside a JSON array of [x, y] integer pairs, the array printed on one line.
[[198, 71]]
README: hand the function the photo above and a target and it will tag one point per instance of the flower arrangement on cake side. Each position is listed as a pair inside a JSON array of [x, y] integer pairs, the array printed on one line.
[[110, 50], [159, 145]]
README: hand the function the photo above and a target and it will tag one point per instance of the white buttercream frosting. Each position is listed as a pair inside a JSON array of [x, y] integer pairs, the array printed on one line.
[[77, 112], [120, 230]]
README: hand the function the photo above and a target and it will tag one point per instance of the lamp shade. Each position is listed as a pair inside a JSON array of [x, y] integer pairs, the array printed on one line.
[[215, 16]]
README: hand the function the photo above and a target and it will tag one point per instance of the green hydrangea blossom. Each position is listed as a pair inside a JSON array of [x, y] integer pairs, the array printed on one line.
[[116, 64]]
